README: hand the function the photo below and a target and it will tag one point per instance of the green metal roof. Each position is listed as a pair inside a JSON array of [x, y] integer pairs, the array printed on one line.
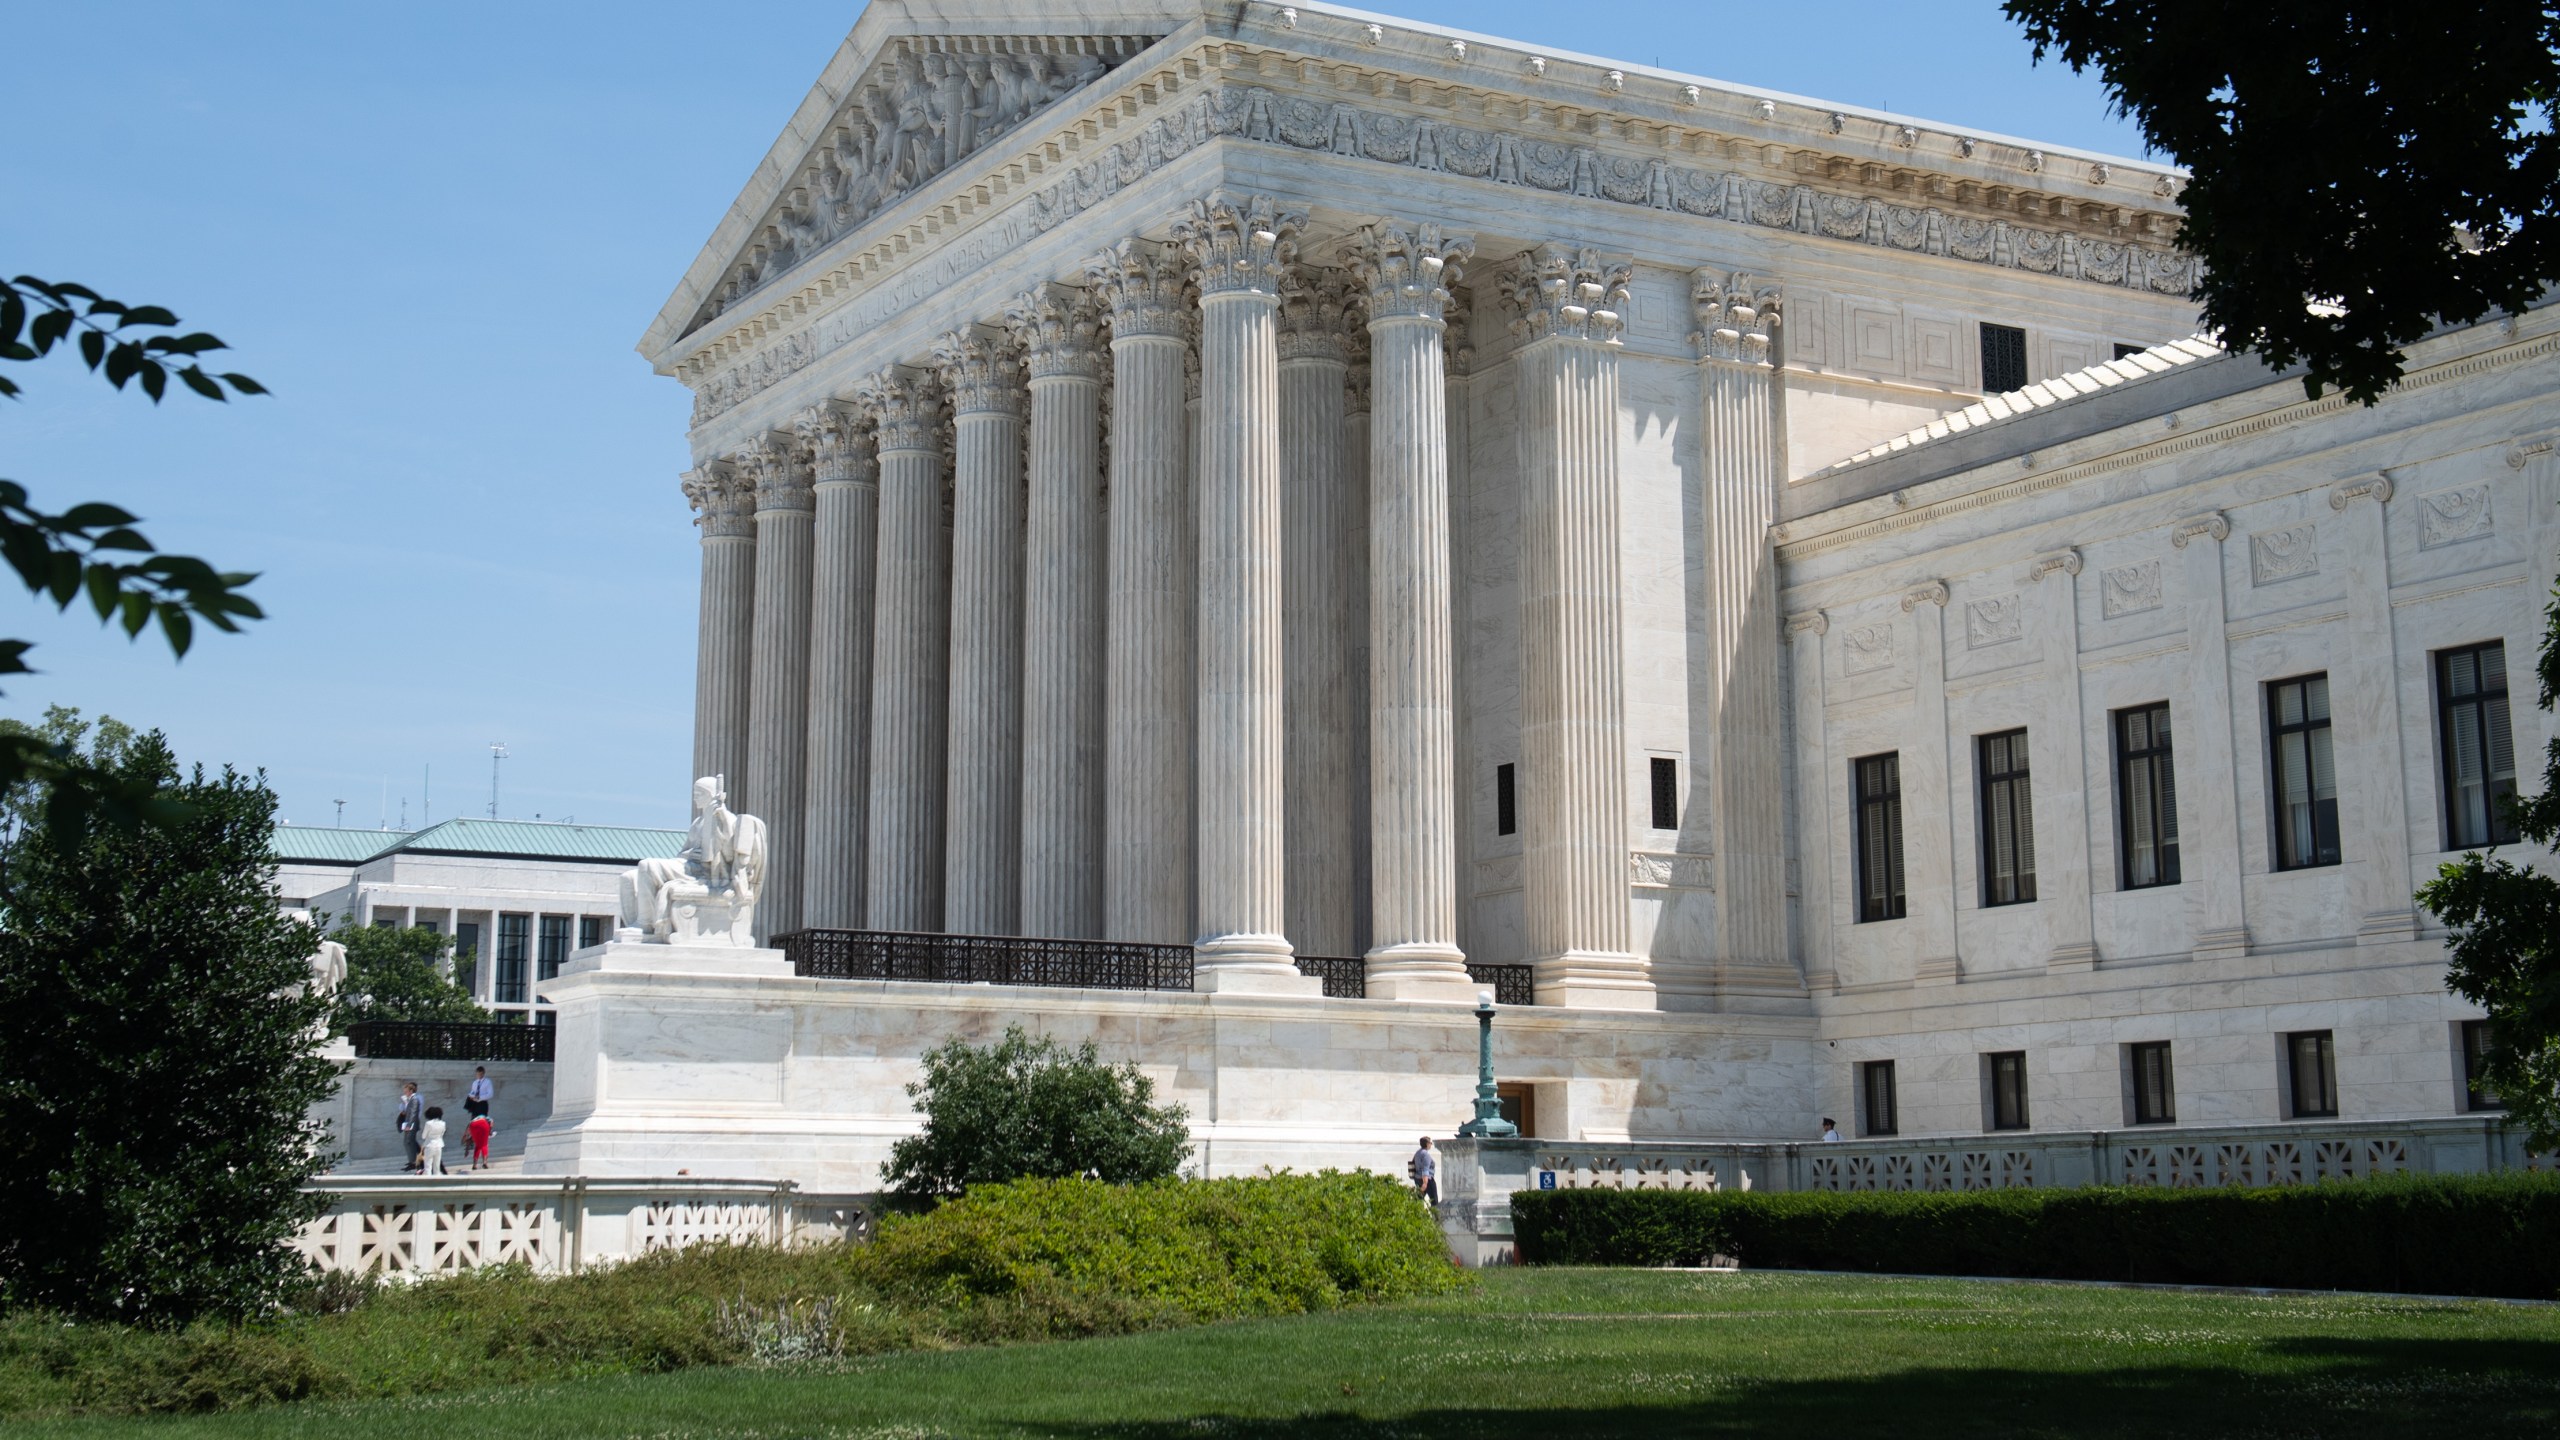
[[502, 839]]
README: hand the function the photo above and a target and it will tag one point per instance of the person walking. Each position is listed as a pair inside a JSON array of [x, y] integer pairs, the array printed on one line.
[[1424, 1167], [1830, 1128], [475, 1100], [431, 1142], [480, 1132], [413, 1113]]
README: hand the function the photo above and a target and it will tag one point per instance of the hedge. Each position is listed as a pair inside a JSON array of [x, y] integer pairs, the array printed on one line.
[[2430, 1235]]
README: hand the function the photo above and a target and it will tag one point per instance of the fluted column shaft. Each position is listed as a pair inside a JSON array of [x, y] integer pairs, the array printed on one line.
[[1147, 689], [1315, 602], [1063, 618], [982, 873], [1242, 247], [839, 805], [1413, 874], [1355, 616], [1574, 759], [778, 700], [909, 650], [724, 507]]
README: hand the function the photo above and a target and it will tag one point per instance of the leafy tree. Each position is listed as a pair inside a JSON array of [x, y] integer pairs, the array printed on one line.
[[1026, 1108], [157, 1064], [63, 730], [92, 550], [2361, 172], [401, 973], [2504, 921]]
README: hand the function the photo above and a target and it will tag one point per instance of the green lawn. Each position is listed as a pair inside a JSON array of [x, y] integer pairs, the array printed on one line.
[[1559, 1353]]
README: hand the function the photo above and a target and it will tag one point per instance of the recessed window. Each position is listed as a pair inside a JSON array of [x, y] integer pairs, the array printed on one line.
[[555, 946], [2155, 1096], [1877, 781], [2008, 1080], [2146, 798], [2311, 1067], [2306, 780], [1875, 1099], [2008, 819], [2479, 754], [466, 954], [1665, 774], [1506, 800], [515, 943], [2004, 359], [2477, 1041]]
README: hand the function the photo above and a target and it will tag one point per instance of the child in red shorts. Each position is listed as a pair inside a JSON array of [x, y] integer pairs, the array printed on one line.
[[481, 1129]]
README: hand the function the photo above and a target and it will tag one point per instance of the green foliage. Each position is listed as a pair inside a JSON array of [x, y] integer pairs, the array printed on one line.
[[1026, 1108], [102, 747], [2503, 924], [2433, 1234], [1045, 1257], [157, 1064], [2360, 172], [400, 973]]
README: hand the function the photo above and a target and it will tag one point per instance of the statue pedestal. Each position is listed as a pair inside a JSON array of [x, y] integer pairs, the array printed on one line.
[[700, 915]]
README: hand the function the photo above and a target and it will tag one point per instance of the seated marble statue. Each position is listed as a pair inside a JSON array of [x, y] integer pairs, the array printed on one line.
[[706, 894]]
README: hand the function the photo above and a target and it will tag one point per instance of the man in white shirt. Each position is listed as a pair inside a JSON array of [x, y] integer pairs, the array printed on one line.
[[1830, 1128], [1424, 1167]]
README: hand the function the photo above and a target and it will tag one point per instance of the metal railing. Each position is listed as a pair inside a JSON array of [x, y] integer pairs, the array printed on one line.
[[986, 959], [1510, 984], [436, 1040], [1345, 977]]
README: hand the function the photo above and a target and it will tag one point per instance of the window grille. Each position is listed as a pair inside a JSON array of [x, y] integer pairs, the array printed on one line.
[[1666, 793], [555, 946], [2004, 359], [515, 940], [1506, 800]]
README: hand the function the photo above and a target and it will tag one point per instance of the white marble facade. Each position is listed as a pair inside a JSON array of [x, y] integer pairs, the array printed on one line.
[[1282, 423]]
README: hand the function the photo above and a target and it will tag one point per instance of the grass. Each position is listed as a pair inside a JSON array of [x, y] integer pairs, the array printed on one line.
[[1554, 1353]]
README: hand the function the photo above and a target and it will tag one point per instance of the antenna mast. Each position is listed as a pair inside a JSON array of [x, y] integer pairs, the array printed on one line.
[[497, 752]]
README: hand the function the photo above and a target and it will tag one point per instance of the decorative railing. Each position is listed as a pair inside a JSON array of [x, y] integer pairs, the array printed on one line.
[[986, 959], [1510, 984], [433, 1226], [433, 1040], [1344, 977]]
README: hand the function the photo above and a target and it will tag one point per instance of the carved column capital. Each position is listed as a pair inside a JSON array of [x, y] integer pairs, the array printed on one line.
[[1933, 593], [2347, 492], [1059, 328], [2066, 560], [904, 402], [1240, 244], [781, 465], [723, 501], [833, 433], [1405, 271], [2210, 523], [1141, 283], [982, 371], [1457, 340], [1737, 315], [1319, 316], [1811, 622], [1558, 290], [1355, 381]]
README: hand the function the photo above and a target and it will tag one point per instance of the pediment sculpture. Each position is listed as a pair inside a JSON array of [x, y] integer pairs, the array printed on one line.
[[706, 894]]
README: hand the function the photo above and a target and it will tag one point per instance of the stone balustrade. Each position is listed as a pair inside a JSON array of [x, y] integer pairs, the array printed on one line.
[[417, 1227]]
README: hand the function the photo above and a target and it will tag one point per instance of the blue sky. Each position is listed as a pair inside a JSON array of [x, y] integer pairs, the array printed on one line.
[[435, 232]]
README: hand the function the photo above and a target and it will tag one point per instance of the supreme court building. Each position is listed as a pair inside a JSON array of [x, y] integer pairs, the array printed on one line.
[[1272, 519]]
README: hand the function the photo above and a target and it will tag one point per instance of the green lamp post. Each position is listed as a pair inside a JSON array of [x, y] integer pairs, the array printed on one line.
[[1488, 1123]]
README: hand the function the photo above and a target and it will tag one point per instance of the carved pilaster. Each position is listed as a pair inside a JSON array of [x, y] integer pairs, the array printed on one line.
[[1561, 290], [2347, 492], [2212, 524], [2066, 560], [1933, 593], [1737, 316], [1239, 242]]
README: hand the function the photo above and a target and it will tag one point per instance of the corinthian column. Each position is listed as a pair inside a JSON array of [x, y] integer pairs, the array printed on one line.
[[910, 631], [1355, 620], [1413, 806], [1241, 246], [982, 874], [1147, 699], [1738, 455], [778, 701], [724, 506], [848, 529], [1062, 616], [1573, 741], [1317, 313]]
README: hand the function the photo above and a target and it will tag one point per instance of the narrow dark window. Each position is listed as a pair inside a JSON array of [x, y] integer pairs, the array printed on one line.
[[1875, 1090], [1878, 784], [2306, 782], [2008, 819], [546, 1017], [2312, 1058], [2009, 1090], [2146, 798], [2122, 349], [515, 939], [1666, 793], [2479, 754], [466, 954], [2004, 359], [555, 946], [2477, 1042], [432, 927], [591, 930], [1506, 800], [2155, 1096]]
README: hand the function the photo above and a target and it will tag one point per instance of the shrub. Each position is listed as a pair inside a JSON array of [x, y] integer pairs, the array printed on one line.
[[2434, 1234], [1026, 1108]]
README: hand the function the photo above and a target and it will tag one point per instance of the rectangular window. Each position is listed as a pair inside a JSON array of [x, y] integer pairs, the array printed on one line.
[[2008, 1090], [2476, 1045], [2306, 783], [2004, 359], [2155, 1096], [2008, 819], [1506, 800], [432, 927], [546, 1017], [2479, 754], [2122, 349], [1878, 785], [2311, 1060], [466, 954], [2146, 798], [1875, 1094], [593, 930], [515, 944], [1666, 793], [555, 946]]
